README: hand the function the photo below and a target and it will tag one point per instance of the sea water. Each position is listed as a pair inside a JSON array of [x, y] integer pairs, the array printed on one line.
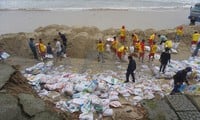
[[94, 4]]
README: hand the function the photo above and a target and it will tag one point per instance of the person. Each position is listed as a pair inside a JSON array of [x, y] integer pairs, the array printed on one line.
[[33, 48], [58, 50], [141, 50], [41, 49], [195, 53], [121, 52], [100, 48], [136, 48], [114, 45], [168, 44], [179, 33], [195, 38], [134, 38], [164, 59], [153, 49], [64, 41], [179, 78], [131, 68], [123, 34], [49, 49], [152, 39], [162, 38]]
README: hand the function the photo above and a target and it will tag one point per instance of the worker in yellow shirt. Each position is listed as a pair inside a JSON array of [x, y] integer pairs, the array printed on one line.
[[168, 44], [153, 49], [123, 34], [152, 39], [100, 49], [136, 48], [121, 52], [41, 49], [134, 38], [114, 45], [195, 38], [179, 33]]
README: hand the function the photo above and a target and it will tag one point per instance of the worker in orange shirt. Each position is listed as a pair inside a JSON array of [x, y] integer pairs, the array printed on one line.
[[179, 33], [152, 39], [121, 52], [153, 50], [100, 49], [134, 38], [195, 38], [123, 34], [141, 50]]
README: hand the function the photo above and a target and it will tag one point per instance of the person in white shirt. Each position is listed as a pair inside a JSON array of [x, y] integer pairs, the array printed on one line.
[[58, 50]]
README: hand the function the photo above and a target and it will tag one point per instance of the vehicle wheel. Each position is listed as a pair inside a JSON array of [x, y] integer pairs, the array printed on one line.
[[192, 22]]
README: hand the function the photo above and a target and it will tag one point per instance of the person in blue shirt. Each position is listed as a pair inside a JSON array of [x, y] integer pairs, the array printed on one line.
[[49, 49], [33, 48]]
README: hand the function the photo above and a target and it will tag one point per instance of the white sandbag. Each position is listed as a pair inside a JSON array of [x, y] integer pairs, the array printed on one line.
[[50, 56], [174, 51], [147, 48], [115, 104], [138, 91], [68, 89], [108, 112], [113, 98], [92, 86], [53, 95], [5, 55], [108, 48], [87, 107], [193, 47], [131, 49], [104, 95], [95, 100], [86, 116], [102, 86], [110, 39], [157, 56], [79, 101], [125, 58], [175, 45]]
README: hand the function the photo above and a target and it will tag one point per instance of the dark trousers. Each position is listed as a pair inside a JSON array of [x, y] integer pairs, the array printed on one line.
[[128, 73], [162, 67], [35, 54], [175, 89]]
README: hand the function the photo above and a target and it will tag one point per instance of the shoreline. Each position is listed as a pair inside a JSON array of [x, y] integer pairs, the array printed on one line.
[[27, 21]]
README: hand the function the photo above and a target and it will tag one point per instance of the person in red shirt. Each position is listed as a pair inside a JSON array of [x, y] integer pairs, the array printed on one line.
[[141, 50]]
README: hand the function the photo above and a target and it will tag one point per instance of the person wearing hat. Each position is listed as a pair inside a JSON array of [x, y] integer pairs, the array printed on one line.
[[164, 59], [131, 68], [179, 78], [33, 47]]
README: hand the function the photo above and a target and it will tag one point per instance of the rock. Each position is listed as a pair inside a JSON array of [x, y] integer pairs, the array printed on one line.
[[46, 116], [5, 72], [9, 109], [30, 104]]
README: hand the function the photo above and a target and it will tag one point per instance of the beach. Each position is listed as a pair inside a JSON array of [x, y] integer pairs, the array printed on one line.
[[13, 21]]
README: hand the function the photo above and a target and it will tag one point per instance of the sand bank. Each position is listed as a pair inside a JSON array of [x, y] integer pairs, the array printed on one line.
[[27, 21]]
